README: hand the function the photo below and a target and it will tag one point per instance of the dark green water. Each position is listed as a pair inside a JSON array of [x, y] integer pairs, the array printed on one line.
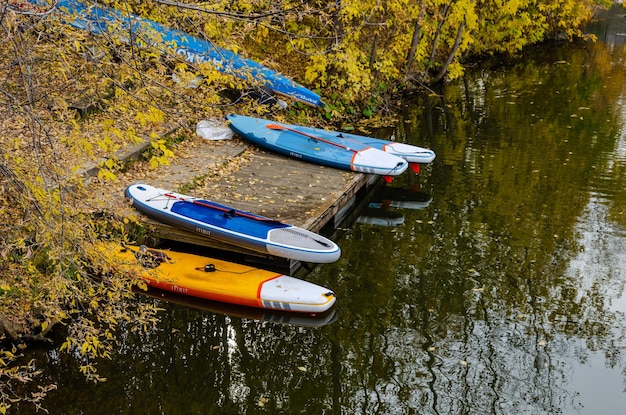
[[503, 293]]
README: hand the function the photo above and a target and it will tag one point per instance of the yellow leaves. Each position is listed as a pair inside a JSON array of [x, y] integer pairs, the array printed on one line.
[[66, 346], [6, 354], [262, 33], [105, 171], [353, 9], [486, 27], [455, 70], [214, 77], [78, 46], [91, 345], [142, 285], [90, 373], [154, 115], [162, 154], [47, 269], [119, 93]]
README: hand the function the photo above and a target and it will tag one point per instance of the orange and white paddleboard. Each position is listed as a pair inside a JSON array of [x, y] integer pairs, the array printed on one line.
[[218, 280]]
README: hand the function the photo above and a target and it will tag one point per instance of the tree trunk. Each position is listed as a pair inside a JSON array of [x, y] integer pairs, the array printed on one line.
[[417, 34], [457, 43], [338, 26], [437, 33]]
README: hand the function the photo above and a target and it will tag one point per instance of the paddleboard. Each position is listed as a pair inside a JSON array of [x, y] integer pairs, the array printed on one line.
[[141, 32], [316, 146], [291, 318], [214, 279], [232, 226], [412, 154]]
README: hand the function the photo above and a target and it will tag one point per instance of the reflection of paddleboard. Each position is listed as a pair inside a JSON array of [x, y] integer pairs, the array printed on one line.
[[380, 217], [214, 279], [388, 196], [252, 313]]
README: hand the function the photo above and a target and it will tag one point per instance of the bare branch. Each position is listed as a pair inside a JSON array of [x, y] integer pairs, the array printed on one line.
[[223, 13]]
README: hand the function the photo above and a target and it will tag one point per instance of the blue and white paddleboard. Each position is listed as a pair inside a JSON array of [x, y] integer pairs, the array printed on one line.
[[316, 146], [410, 153], [232, 226], [142, 32]]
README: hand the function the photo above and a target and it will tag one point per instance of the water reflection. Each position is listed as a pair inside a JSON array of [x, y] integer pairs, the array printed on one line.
[[389, 196], [379, 216], [387, 202], [610, 28], [516, 286]]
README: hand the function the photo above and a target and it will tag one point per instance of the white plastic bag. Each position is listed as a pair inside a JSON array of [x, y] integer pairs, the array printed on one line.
[[192, 83], [213, 130]]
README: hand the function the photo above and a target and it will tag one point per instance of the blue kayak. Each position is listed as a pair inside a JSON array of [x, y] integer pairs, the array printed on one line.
[[316, 146], [232, 226], [100, 19]]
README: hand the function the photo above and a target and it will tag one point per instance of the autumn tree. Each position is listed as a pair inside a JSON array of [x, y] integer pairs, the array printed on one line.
[[357, 53], [412, 44]]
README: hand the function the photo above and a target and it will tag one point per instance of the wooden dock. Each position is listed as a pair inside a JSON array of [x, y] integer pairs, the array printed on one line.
[[235, 173]]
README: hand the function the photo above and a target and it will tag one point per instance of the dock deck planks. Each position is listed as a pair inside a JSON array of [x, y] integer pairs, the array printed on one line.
[[237, 174]]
